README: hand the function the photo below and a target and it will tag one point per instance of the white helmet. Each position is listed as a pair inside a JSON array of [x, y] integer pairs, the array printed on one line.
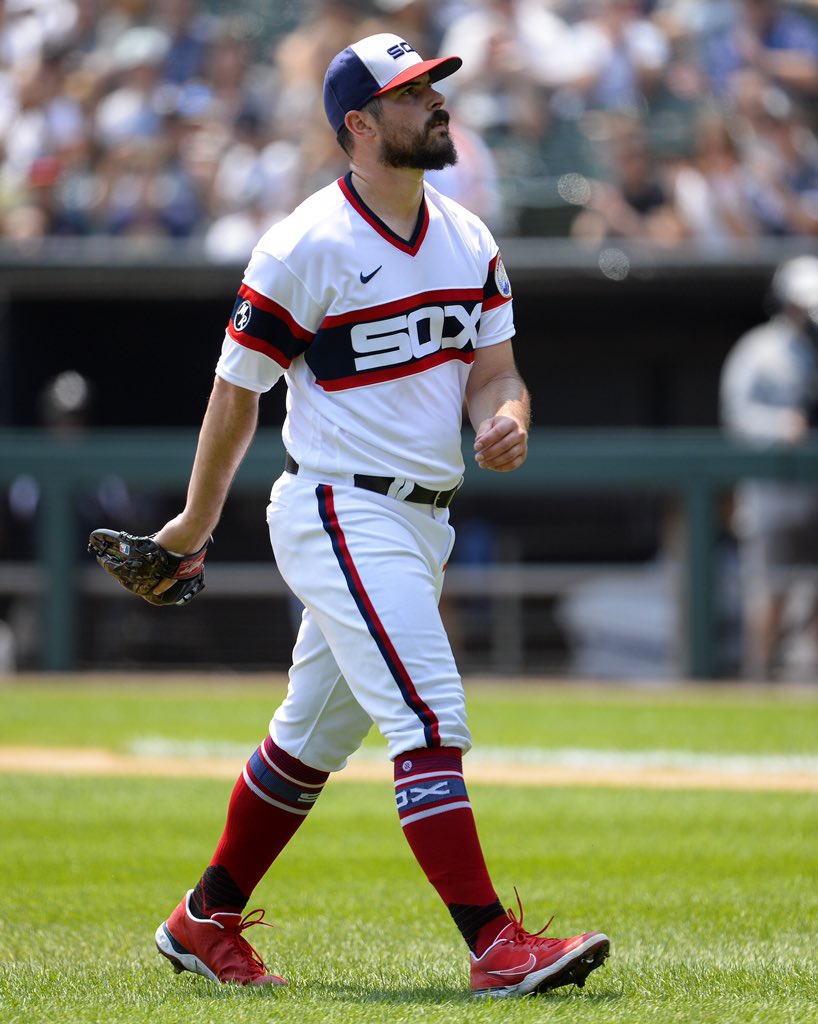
[[796, 282]]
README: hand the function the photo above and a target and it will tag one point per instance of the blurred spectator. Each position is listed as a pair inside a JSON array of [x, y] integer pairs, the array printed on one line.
[[770, 40], [712, 192], [256, 183], [45, 124], [617, 57], [238, 83], [175, 118], [780, 154], [635, 200], [188, 31], [130, 109], [512, 51], [473, 180], [301, 58], [769, 397], [148, 193]]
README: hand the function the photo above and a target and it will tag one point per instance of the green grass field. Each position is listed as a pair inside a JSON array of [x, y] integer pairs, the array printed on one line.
[[710, 897]]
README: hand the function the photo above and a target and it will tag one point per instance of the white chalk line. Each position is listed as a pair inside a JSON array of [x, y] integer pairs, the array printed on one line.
[[662, 769], [562, 757]]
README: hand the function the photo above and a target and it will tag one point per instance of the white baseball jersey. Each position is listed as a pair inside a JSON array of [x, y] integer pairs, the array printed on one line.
[[374, 334]]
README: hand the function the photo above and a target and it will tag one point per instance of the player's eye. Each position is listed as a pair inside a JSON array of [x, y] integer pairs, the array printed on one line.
[[412, 89]]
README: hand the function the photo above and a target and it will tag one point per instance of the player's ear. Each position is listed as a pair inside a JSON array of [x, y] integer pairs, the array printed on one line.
[[359, 124]]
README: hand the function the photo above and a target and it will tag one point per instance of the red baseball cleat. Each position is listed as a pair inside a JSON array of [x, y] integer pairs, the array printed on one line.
[[214, 947], [518, 963]]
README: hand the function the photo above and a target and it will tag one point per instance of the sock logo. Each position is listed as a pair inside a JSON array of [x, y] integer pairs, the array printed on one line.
[[420, 794]]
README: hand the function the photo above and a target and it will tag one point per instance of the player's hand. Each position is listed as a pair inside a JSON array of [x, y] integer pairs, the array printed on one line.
[[181, 537], [795, 426], [501, 444], [147, 569]]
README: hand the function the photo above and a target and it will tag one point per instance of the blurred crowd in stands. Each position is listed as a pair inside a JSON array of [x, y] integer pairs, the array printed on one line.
[[671, 120]]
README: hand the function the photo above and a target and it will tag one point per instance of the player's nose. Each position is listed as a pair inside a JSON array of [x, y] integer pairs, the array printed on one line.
[[436, 99]]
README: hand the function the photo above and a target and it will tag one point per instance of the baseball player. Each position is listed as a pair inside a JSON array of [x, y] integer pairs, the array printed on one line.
[[385, 307], [769, 397]]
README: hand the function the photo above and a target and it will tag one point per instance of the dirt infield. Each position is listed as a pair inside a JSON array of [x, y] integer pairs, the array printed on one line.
[[98, 762]]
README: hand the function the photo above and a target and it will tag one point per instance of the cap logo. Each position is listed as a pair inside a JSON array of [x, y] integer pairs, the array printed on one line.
[[398, 50]]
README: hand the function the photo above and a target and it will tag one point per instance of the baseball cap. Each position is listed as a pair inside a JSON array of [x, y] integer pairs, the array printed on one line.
[[796, 282], [371, 66]]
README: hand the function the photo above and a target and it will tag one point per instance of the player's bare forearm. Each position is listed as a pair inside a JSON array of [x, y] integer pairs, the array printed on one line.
[[227, 430], [500, 410]]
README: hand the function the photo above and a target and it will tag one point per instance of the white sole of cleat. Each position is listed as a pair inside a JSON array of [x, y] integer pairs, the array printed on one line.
[[180, 958], [571, 969]]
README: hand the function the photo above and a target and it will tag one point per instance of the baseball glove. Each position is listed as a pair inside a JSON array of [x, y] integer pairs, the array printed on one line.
[[139, 564]]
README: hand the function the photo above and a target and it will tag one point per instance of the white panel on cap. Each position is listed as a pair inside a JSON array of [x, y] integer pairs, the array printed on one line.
[[374, 53]]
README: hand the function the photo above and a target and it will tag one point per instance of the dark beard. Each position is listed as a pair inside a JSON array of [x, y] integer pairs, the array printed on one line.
[[423, 151]]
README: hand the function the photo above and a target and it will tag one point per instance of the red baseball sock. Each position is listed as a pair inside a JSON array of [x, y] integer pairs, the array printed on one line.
[[439, 825], [270, 800]]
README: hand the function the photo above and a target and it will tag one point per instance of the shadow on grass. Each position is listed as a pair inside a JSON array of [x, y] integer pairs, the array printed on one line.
[[422, 995], [384, 992]]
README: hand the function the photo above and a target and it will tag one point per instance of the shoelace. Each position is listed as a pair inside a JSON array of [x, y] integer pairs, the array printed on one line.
[[244, 947], [520, 933]]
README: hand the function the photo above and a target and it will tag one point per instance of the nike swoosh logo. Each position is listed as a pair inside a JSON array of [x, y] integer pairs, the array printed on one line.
[[516, 970], [368, 277]]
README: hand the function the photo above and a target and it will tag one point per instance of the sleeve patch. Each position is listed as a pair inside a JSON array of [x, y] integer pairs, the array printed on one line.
[[501, 278], [497, 289]]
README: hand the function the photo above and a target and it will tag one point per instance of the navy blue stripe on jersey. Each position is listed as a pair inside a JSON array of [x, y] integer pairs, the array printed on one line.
[[411, 245], [398, 671], [394, 340], [259, 323]]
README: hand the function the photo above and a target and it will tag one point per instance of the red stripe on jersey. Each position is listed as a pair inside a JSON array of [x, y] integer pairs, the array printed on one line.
[[259, 345], [270, 306], [382, 229], [496, 301], [361, 380], [448, 295]]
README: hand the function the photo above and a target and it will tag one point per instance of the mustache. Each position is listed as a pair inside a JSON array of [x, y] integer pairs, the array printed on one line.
[[439, 117]]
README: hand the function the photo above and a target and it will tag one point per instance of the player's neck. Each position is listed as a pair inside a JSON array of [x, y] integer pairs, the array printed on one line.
[[393, 193]]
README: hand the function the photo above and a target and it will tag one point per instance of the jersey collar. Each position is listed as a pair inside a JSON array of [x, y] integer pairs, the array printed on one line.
[[421, 227]]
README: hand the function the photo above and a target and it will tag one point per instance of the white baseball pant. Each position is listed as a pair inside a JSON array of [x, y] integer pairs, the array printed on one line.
[[371, 647]]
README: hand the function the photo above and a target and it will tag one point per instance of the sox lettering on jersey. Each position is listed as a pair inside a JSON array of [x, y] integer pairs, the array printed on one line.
[[413, 335], [395, 339]]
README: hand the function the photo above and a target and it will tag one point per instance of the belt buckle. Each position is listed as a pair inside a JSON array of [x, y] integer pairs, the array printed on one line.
[[448, 498]]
